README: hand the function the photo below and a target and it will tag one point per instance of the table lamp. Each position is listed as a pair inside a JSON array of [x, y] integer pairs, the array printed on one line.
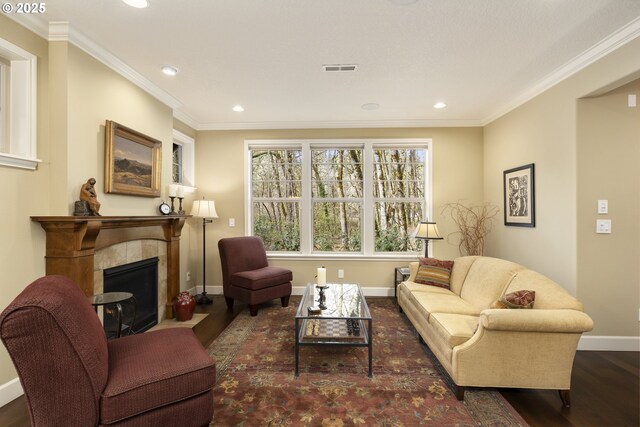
[[427, 231]]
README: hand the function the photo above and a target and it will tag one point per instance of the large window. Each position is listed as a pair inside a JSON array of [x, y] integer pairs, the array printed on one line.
[[332, 197], [276, 191], [18, 70]]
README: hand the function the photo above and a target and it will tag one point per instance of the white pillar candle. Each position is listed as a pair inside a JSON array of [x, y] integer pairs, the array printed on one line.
[[172, 191], [180, 191], [322, 276]]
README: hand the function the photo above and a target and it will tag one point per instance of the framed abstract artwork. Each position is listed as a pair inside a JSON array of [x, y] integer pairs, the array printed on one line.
[[132, 162], [519, 196]]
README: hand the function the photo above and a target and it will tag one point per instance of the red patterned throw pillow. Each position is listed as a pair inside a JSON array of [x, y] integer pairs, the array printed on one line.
[[434, 272], [517, 299]]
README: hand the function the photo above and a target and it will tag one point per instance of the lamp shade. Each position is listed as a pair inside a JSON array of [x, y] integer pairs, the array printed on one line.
[[204, 209], [427, 231]]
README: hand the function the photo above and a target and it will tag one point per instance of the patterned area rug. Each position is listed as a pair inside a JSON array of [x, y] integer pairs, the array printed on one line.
[[256, 385]]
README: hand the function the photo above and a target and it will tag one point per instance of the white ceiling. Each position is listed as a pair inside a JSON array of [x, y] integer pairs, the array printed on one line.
[[481, 57]]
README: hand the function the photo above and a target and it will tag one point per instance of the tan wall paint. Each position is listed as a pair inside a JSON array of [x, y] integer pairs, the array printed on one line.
[[76, 94], [184, 128], [543, 131], [25, 193], [457, 174], [96, 94], [58, 127], [608, 158]]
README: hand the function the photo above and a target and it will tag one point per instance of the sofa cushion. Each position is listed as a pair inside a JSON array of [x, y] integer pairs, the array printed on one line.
[[456, 329], [143, 380], [549, 294], [434, 272], [261, 278], [487, 280], [418, 287], [433, 302]]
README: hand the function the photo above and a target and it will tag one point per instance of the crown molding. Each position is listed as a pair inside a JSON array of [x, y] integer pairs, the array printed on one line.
[[117, 65], [340, 124], [186, 119], [614, 41], [63, 31]]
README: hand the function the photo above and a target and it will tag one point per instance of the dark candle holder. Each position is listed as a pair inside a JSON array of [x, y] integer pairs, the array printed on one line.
[[180, 210], [173, 210]]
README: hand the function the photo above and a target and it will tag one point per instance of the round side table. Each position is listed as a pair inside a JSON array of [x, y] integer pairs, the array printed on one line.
[[116, 299]]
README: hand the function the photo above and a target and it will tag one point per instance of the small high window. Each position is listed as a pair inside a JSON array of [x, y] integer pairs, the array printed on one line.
[[183, 161]]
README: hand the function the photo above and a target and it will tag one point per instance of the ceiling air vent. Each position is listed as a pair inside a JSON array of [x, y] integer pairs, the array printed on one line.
[[338, 68]]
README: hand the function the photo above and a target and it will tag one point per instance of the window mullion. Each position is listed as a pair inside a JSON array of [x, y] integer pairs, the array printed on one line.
[[306, 221], [367, 230]]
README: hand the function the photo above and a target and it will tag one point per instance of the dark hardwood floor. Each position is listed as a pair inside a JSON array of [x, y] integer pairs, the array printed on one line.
[[605, 385]]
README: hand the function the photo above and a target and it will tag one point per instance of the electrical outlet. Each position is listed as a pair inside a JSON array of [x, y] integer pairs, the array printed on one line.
[[340, 273], [232, 222], [188, 276]]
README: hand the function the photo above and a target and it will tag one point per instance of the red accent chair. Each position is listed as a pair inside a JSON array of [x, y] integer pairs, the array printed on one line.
[[73, 376], [247, 276]]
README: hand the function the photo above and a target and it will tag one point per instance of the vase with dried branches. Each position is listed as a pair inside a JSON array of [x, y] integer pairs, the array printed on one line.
[[474, 224]]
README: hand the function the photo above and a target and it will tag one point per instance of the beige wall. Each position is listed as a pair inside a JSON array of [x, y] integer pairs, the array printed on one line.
[[76, 94], [608, 159], [457, 174], [544, 131], [24, 193]]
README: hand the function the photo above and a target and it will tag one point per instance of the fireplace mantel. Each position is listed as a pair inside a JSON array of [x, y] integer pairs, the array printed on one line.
[[71, 242]]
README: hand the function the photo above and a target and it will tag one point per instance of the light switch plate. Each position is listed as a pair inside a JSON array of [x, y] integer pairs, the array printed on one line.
[[603, 206], [232, 222], [603, 226]]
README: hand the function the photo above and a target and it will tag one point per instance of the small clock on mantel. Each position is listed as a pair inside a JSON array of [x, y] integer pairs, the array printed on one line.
[[164, 208]]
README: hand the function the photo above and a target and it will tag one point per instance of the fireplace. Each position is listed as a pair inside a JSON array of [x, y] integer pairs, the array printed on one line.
[[81, 247], [141, 279]]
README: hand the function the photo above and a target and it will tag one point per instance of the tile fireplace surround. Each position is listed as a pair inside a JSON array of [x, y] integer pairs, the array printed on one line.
[[82, 247]]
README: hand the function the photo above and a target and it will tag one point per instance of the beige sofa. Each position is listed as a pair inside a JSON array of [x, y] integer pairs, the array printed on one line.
[[483, 347]]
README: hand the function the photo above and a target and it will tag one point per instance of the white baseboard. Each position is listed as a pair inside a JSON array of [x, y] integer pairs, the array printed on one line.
[[298, 290], [10, 391], [609, 343]]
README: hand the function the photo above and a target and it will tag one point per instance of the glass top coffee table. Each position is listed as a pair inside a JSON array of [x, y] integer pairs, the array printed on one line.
[[336, 314]]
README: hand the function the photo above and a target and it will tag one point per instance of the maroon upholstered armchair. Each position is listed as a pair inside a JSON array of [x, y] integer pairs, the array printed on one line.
[[247, 276], [72, 376]]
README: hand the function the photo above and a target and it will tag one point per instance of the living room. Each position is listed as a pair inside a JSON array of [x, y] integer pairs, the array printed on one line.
[[579, 129]]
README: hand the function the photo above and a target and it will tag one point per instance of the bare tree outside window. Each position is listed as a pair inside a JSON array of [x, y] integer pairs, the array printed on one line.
[[350, 200]]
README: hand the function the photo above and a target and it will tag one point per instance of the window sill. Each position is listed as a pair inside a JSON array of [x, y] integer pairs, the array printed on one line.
[[344, 257], [18, 161]]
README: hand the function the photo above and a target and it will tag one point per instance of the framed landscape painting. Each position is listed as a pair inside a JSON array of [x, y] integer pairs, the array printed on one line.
[[132, 162], [519, 196]]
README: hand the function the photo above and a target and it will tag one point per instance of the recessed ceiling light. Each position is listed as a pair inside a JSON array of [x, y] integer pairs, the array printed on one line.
[[439, 105], [139, 4], [238, 108], [169, 70], [370, 106]]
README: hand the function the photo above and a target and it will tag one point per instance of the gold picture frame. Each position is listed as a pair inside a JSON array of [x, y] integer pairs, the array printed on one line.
[[132, 162]]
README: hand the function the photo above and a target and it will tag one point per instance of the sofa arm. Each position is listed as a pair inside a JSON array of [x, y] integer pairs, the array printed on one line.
[[536, 320]]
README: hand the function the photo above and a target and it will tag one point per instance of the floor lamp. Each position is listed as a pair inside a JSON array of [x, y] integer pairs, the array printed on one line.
[[427, 231], [205, 209]]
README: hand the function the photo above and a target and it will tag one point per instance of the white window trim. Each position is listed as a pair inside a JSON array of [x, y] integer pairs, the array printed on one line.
[[188, 161], [22, 120], [306, 238]]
